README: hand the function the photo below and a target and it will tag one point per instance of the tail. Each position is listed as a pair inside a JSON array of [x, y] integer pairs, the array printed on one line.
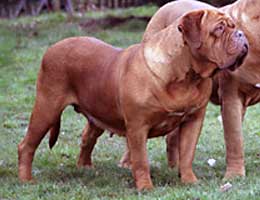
[[54, 133]]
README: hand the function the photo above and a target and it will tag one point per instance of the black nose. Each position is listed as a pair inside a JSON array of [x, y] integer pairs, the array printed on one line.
[[246, 46], [240, 34]]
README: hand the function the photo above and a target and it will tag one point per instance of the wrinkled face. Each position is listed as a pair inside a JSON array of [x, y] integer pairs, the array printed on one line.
[[213, 37]]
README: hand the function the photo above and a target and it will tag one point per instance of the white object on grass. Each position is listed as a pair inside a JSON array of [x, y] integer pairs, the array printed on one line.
[[220, 119], [211, 162], [225, 187]]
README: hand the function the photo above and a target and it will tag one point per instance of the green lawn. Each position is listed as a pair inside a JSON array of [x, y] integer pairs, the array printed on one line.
[[22, 44]]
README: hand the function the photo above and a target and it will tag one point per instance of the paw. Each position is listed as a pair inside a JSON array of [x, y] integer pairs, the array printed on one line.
[[189, 178], [84, 165], [144, 185], [27, 179], [124, 164], [25, 175], [234, 173]]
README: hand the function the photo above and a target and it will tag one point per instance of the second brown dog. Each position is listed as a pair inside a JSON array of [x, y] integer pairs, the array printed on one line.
[[234, 91]]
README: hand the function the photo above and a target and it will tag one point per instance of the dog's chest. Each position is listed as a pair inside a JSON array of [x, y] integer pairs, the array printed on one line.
[[189, 95], [169, 122], [166, 124], [185, 99]]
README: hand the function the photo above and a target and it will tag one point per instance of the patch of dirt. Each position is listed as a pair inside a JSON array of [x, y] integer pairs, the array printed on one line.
[[111, 21]]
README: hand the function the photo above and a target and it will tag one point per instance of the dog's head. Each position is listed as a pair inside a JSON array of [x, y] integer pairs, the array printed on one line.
[[212, 37]]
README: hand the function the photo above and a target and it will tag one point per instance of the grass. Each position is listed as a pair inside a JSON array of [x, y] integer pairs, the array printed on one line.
[[22, 44]]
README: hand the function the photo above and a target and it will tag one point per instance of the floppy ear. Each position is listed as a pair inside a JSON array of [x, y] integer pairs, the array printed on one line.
[[190, 27]]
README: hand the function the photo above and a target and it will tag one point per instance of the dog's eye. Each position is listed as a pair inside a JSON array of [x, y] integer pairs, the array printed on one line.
[[219, 30]]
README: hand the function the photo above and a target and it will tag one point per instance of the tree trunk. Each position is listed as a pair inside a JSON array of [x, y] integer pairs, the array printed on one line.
[[69, 7], [41, 5], [56, 5]]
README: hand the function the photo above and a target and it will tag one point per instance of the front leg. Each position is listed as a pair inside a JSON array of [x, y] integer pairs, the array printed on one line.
[[189, 134], [136, 139], [232, 111]]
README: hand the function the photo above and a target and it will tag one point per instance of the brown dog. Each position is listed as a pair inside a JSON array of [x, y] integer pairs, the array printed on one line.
[[234, 91], [140, 92]]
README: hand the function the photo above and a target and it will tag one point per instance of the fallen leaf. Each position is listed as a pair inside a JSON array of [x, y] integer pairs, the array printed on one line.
[[225, 187]]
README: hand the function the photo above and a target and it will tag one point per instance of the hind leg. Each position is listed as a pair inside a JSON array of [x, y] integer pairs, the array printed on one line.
[[90, 135], [44, 115], [125, 160], [172, 147]]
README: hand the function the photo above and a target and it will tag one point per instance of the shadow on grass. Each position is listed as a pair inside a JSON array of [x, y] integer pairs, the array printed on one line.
[[8, 172], [104, 174]]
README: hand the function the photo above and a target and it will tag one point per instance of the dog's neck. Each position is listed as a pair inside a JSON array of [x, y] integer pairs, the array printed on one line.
[[203, 67], [170, 60], [167, 56]]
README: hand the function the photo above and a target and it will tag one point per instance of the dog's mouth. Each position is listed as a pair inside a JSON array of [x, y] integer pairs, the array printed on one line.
[[240, 59]]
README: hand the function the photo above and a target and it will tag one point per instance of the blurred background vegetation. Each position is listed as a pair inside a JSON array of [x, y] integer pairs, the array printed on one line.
[[15, 8]]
